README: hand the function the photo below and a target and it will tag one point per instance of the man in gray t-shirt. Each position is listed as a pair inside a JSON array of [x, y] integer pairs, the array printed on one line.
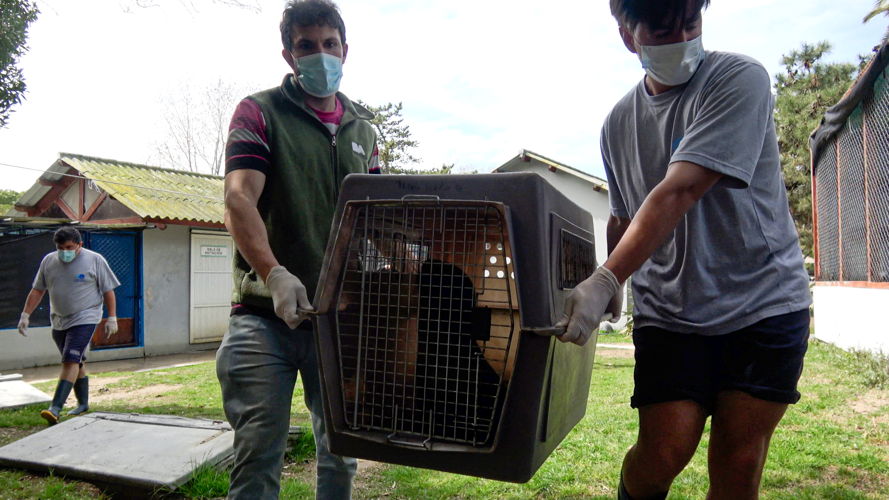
[[79, 281], [699, 218]]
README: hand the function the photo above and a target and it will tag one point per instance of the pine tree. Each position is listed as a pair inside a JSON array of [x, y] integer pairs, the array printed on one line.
[[393, 138], [805, 89]]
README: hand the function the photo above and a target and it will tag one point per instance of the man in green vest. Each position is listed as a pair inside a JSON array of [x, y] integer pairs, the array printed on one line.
[[288, 150]]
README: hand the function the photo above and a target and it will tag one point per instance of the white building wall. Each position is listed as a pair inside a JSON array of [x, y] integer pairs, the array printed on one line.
[[166, 266], [851, 317], [37, 349]]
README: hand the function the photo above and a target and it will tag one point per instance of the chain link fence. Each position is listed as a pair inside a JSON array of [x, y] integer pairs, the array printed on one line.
[[852, 195]]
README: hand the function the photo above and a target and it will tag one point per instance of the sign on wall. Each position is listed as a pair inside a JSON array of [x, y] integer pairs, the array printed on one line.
[[214, 251]]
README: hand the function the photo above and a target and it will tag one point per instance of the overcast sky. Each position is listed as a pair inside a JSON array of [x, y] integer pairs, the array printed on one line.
[[480, 80]]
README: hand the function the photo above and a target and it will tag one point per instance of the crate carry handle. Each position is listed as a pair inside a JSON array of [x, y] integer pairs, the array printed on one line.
[[395, 439], [421, 197], [555, 331]]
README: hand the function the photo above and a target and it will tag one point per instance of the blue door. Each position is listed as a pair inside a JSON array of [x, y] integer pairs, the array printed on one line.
[[122, 251]]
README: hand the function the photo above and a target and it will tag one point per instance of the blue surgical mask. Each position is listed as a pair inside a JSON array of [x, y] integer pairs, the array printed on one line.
[[320, 74], [672, 64], [67, 255]]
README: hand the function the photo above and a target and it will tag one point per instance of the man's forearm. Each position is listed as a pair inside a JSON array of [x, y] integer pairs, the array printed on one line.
[[248, 231], [658, 216], [615, 230], [34, 298], [656, 219], [110, 303]]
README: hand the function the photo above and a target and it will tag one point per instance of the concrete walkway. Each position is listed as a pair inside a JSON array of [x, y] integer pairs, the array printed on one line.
[[43, 373]]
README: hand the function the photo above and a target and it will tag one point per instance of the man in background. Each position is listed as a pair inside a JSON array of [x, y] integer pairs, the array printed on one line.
[[79, 281]]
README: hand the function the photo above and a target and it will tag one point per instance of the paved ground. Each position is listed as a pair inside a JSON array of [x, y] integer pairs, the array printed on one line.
[[41, 373]]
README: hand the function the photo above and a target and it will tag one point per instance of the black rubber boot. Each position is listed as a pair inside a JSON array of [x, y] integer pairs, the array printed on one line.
[[51, 414], [82, 391], [622, 493], [622, 490]]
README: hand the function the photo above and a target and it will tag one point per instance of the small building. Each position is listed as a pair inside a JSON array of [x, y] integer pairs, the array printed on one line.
[[160, 230], [850, 195], [587, 191]]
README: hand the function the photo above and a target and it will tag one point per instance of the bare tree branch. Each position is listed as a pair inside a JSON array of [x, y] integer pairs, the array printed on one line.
[[197, 127], [189, 5]]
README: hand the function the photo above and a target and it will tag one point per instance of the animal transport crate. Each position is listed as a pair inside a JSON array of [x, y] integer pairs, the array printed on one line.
[[434, 322]]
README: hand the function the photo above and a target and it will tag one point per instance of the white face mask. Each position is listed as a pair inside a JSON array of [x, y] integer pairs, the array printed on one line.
[[672, 64]]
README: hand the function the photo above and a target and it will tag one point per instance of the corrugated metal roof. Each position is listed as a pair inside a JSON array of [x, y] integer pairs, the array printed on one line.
[[150, 192]]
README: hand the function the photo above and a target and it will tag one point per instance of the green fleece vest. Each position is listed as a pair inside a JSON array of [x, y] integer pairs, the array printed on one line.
[[301, 187]]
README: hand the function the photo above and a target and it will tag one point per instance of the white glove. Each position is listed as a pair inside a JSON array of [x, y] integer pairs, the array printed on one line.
[[615, 307], [288, 295], [586, 305], [110, 326], [23, 324]]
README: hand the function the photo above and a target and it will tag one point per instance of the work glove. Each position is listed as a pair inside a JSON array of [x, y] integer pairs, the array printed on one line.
[[586, 306], [289, 296], [615, 307], [110, 326], [23, 324]]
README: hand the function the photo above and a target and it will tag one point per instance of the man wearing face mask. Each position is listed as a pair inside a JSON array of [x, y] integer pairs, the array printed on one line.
[[700, 219], [79, 281], [288, 150]]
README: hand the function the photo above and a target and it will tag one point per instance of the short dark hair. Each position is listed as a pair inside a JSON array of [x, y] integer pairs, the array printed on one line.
[[653, 13], [305, 13], [65, 234]]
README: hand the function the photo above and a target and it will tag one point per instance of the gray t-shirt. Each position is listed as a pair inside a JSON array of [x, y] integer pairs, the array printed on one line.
[[75, 288], [734, 258]]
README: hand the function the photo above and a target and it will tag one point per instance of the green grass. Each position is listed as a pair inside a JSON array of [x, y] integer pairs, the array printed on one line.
[[303, 449], [833, 444], [206, 482], [824, 448], [16, 485]]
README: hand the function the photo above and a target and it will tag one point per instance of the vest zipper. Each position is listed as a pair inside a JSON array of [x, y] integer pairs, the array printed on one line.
[[336, 170]]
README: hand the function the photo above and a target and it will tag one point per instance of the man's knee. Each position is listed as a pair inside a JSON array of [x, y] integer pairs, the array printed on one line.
[[743, 460], [668, 459]]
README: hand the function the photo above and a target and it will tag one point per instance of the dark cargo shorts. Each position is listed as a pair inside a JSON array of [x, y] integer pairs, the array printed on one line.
[[764, 360], [73, 342]]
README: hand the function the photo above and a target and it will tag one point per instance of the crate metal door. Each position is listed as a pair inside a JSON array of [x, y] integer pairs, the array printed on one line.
[[211, 285], [122, 251]]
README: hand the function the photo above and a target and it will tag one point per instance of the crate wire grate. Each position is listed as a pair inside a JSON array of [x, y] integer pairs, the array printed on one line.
[[426, 321]]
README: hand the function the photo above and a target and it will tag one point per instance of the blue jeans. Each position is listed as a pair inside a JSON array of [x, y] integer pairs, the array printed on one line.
[[257, 365]]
